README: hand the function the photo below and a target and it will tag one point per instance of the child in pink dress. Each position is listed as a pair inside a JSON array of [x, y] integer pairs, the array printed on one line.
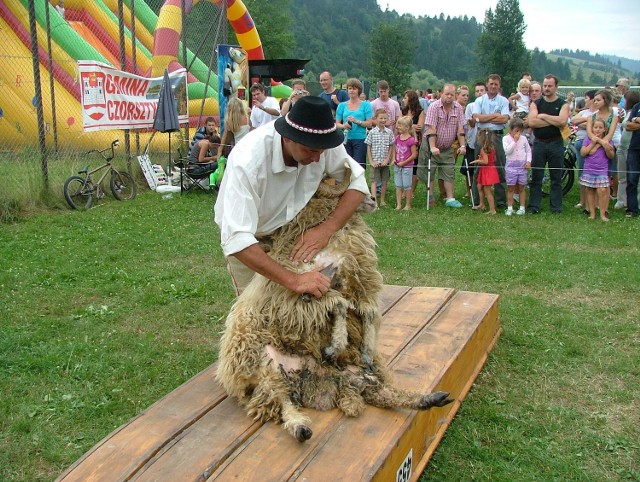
[[488, 174]]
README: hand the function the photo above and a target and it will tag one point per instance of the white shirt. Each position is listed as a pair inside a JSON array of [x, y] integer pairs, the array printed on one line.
[[260, 117], [522, 103], [259, 193], [471, 132], [486, 105]]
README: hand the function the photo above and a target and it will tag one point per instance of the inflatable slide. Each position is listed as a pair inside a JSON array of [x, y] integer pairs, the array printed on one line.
[[89, 31]]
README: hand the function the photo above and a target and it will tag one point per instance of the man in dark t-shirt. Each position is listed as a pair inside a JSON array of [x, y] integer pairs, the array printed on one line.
[[331, 95], [547, 116]]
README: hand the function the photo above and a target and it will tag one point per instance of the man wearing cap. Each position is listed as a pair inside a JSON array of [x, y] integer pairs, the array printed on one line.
[[271, 175], [491, 111]]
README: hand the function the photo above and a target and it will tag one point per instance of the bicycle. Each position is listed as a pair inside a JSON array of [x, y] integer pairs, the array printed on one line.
[[79, 191], [568, 173]]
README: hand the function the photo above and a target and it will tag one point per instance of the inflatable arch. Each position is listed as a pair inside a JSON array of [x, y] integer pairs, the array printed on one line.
[[167, 39]]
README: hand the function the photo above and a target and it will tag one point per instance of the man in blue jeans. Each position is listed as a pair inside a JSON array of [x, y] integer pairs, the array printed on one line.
[[633, 162], [547, 116]]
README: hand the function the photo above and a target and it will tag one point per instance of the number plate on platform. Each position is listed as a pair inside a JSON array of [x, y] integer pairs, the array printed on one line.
[[404, 472]]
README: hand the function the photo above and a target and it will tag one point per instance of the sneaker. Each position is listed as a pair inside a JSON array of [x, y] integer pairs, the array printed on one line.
[[620, 205], [520, 211], [509, 211], [453, 203]]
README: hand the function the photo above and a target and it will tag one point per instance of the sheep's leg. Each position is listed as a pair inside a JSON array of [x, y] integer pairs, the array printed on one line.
[[277, 389], [369, 337], [339, 336], [387, 396], [295, 422], [350, 401]]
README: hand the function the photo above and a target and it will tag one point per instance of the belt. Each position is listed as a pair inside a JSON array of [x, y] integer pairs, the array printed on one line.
[[500, 132], [550, 139]]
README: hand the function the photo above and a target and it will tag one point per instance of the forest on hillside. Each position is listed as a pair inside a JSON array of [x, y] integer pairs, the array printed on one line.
[[336, 36]]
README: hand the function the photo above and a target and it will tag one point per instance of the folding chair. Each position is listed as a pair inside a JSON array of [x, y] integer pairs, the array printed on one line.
[[192, 173]]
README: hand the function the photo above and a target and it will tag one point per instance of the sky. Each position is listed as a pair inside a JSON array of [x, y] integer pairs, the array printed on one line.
[[603, 27]]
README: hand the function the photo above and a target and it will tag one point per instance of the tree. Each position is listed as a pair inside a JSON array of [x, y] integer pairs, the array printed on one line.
[[391, 51], [580, 76], [501, 46], [273, 21]]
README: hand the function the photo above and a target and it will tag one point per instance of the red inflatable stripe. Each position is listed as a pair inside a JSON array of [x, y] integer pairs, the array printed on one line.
[[166, 40], [58, 72]]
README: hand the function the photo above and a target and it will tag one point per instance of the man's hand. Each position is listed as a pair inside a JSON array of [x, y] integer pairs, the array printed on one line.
[[313, 282], [310, 243], [435, 151]]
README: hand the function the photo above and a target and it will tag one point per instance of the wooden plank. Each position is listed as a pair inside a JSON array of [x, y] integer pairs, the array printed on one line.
[[270, 441], [429, 337], [436, 359], [125, 450]]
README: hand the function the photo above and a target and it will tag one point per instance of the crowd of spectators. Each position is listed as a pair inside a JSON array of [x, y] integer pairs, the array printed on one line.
[[528, 130]]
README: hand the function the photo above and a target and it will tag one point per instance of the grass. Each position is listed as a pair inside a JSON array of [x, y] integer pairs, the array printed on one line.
[[105, 311]]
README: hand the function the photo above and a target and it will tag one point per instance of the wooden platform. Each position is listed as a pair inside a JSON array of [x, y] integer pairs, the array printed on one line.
[[431, 338]]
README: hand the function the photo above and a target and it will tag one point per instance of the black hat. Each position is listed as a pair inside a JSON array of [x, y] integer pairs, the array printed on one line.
[[310, 123]]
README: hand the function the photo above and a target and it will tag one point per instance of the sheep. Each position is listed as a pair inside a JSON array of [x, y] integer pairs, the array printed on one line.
[[280, 351]]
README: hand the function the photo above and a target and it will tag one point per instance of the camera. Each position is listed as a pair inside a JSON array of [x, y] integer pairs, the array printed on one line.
[[299, 92], [350, 123]]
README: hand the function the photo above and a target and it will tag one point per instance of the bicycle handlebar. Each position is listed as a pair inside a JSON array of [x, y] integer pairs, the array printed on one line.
[[112, 147]]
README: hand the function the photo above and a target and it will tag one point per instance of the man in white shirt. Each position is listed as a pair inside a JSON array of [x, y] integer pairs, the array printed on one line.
[[270, 177], [264, 109]]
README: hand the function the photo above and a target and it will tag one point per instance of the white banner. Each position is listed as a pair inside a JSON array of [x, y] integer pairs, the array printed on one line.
[[112, 99]]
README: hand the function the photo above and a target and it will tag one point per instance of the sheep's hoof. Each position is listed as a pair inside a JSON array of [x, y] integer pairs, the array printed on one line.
[[302, 433], [436, 399]]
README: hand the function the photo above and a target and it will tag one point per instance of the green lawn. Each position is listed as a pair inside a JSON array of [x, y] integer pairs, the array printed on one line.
[[105, 311]]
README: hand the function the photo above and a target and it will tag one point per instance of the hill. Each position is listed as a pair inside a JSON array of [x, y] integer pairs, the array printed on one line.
[[337, 38], [596, 69]]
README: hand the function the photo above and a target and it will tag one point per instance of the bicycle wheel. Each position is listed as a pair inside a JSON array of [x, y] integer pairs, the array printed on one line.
[[122, 185], [78, 193], [568, 175]]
